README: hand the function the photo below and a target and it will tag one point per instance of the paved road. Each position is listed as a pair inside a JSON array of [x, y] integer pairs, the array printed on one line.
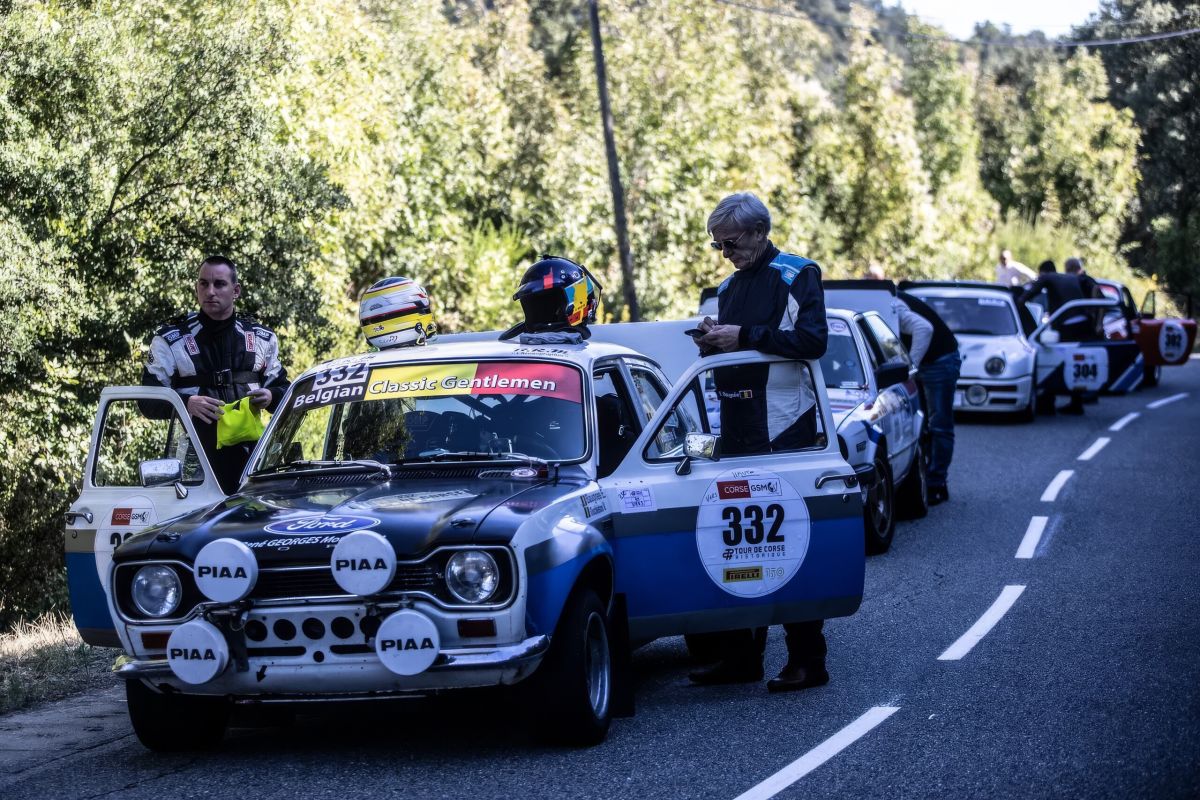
[[1088, 685]]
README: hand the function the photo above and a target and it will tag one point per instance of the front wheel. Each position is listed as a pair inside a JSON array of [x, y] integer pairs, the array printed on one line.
[[912, 497], [169, 723], [572, 689], [879, 517], [1151, 374]]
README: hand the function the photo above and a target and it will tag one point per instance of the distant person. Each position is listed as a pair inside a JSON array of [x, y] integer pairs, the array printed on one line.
[[212, 357], [875, 272], [1087, 283], [1061, 289], [1012, 273]]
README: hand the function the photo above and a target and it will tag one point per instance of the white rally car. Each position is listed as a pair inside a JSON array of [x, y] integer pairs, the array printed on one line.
[[458, 515], [874, 398], [999, 365]]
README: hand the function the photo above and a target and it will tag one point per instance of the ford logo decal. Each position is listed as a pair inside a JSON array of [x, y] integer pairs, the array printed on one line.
[[321, 523]]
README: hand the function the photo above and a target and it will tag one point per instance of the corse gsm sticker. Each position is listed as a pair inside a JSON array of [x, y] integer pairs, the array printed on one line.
[[752, 532]]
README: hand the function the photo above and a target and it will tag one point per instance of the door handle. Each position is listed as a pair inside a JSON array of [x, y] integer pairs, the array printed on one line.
[[850, 480], [71, 516], [462, 522]]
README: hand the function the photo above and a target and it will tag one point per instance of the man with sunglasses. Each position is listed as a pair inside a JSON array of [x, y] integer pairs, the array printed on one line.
[[773, 303]]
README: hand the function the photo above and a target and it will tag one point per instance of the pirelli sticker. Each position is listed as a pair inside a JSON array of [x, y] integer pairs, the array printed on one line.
[[752, 532]]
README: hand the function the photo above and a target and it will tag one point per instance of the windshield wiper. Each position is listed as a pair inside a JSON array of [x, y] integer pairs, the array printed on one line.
[[310, 467], [471, 455]]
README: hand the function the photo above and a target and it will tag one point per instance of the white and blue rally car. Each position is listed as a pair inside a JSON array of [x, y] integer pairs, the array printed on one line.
[[458, 515]]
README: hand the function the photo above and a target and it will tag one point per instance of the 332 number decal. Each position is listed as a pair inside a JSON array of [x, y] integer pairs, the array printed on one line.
[[344, 374], [750, 523]]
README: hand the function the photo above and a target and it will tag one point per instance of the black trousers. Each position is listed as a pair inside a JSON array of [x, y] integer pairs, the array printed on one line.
[[227, 462], [805, 644]]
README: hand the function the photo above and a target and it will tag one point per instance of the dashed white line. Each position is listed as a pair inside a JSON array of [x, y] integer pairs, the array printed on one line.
[[1125, 420], [1056, 485], [1097, 446], [1165, 400], [1033, 535], [819, 754], [983, 625]]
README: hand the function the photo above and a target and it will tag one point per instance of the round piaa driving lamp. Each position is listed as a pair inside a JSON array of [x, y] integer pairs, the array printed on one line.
[[156, 590], [994, 365], [976, 395], [472, 576]]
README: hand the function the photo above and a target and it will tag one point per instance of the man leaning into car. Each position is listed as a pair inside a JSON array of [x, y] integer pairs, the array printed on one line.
[[772, 303]]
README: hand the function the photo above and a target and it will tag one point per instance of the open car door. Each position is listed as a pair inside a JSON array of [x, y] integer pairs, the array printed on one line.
[[144, 467], [1113, 366], [706, 543]]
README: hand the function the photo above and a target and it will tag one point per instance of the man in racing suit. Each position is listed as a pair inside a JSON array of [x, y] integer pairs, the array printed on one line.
[[772, 303], [212, 357]]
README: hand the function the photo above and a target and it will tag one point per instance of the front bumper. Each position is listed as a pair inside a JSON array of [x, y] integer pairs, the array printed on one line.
[[349, 677], [989, 394]]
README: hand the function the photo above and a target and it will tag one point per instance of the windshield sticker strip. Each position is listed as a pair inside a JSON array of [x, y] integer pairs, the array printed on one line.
[[437, 380]]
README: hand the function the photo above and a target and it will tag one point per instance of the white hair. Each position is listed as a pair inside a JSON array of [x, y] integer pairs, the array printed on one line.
[[743, 209]]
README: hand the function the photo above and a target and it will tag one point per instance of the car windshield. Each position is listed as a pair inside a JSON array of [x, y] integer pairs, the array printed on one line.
[[983, 316], [427, 412], [840, 365]]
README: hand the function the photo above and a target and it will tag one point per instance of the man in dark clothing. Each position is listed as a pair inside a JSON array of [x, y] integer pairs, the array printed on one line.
[[1060, 290], [937, 371], [212, 357], [772, 303]]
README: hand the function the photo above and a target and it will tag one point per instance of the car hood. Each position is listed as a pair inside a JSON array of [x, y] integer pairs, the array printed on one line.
[[976, 350], [296, 521]]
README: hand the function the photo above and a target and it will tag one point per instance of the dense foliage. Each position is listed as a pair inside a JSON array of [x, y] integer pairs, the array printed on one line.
[[326, 143]]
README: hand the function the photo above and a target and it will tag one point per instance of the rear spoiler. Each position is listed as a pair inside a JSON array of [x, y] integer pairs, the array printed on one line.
[[998, 287], [861, 284]]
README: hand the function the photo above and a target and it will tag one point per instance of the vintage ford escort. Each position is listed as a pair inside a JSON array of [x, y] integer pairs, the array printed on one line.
[[457, 515]]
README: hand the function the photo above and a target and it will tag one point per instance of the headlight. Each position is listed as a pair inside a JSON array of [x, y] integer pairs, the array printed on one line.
[[156, 590], [472, 576], [994, 365]]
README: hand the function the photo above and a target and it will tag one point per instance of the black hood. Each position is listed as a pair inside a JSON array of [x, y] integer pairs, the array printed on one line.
[[299, 521]]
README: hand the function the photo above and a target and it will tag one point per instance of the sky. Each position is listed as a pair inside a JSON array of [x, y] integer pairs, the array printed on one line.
[[958, 17]]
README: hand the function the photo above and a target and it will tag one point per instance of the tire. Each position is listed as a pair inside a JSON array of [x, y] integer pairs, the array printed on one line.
[[912, 496], [168, 723], [879, 513], [570, 695], [1044, 404], [1151, 375], [705, 648]]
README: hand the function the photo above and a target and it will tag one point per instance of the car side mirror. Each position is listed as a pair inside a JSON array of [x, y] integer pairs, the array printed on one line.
[[705, 446], [890, 374], [1050, 336], [160, 471]]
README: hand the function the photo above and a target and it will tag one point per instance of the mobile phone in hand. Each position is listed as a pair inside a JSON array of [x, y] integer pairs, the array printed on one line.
[[695, 333]]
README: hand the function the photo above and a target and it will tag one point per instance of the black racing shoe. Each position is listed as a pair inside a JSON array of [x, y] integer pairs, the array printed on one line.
[[938, 494], [792, 679], [723, 672]]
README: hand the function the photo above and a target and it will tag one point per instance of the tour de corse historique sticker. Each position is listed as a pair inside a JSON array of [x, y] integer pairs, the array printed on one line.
[[752, 532]]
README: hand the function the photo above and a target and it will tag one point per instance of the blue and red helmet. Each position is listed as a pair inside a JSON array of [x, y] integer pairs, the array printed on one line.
[[556, 293]]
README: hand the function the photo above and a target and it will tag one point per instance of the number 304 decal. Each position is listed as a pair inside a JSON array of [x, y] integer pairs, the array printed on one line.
[[746, 524], [752, 532]]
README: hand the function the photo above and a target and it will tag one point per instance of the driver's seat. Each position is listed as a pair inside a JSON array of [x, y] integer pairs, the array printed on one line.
[[615, 434]]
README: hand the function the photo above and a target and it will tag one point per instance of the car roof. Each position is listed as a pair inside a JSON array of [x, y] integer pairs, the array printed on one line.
[[470, 348], [959, 290]]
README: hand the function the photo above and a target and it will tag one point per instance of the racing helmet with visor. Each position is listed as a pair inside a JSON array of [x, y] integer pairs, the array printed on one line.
[[558, 294], [396, 312]]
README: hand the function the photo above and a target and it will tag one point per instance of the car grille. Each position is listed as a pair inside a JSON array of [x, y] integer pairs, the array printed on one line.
[[318, 582]]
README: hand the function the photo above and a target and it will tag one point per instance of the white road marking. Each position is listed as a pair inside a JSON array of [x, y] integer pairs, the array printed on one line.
[[983, 625], [1056, 485], [1165, 400], [819, 754], [1125, 420], [1033, 535], [1097, 446]]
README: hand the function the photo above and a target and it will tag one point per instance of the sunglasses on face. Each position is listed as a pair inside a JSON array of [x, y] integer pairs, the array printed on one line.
[[727, 244]]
